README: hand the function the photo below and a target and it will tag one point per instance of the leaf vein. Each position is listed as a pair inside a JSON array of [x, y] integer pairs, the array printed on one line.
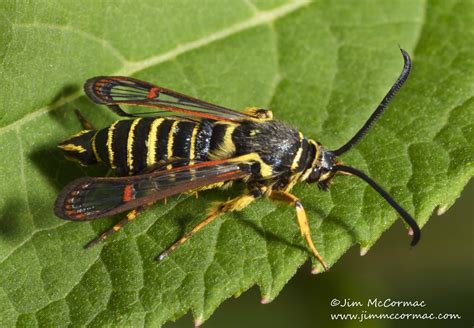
[[131, 68]]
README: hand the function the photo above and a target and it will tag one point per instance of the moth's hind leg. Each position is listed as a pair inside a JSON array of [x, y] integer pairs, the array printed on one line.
[[302, 220], [235, 204], [86, 124], [129, 217]]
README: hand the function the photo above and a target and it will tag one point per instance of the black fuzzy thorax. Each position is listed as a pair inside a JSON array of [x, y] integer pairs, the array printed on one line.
[[275, 142]]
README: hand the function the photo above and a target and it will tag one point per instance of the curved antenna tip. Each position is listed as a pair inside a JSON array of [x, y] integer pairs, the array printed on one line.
[[414, 229], [416, 233], [381, 107], [405, 55]]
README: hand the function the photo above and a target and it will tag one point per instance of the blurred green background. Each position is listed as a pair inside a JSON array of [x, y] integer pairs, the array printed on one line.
[[438, 271]]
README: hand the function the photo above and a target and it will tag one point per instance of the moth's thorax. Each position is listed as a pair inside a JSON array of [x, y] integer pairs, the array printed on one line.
[[276, 143]]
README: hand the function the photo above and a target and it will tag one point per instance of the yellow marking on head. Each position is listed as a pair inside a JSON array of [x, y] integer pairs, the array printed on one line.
[[192, 149], [94, 148], [116, 228], [171, 139], [318, 150], [110, 135], [151, 143], [294, 164], [314, 163], [72, 148], [131, 135]]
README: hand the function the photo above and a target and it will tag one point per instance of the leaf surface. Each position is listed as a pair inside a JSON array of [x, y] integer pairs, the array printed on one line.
[[321, 66]]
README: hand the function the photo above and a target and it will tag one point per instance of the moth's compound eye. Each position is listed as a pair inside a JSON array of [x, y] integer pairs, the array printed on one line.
[[314, 175]]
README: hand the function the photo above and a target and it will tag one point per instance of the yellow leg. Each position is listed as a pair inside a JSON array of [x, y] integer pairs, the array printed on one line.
[[236, 204], [130, 217], [302, 220]]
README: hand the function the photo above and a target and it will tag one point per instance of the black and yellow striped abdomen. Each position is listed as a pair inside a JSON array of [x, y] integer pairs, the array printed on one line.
[[131, 146]]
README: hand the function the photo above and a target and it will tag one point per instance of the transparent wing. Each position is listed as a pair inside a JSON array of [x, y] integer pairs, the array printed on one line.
[[119, 90], [90, 198]]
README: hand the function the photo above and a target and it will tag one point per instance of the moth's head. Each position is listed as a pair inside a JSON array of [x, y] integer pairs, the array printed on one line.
[[78, 148], [322, 168], [325, 164]]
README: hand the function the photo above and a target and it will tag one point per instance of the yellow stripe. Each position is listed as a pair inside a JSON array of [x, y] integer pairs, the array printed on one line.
[[227, 147], [318, 150], [80, 133], [94, 148], [315, 161], [131, 135], [72, 148], [192, 150], [151, 142], [170, 147], [192, 171], [265, 169], [228, 144], [110, 135], [171, 140], [294, 165]]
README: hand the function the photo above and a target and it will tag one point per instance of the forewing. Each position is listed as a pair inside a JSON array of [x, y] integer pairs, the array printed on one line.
[[119, 90], [90, 198]]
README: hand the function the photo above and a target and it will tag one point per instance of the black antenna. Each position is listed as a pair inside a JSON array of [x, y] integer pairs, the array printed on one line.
[[385, 101], [406, 217]]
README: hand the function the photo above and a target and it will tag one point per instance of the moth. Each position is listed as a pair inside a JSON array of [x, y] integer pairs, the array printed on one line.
[[182, 144]]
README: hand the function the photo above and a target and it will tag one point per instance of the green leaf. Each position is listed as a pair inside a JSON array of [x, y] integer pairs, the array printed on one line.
[[322, 67]]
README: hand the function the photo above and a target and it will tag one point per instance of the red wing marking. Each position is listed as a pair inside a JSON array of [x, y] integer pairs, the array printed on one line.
[[153, 93], [127, 193]]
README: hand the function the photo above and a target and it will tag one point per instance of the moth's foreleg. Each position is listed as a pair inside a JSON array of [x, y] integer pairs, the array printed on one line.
[[129, 217], [236, 204], [302, 220]]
